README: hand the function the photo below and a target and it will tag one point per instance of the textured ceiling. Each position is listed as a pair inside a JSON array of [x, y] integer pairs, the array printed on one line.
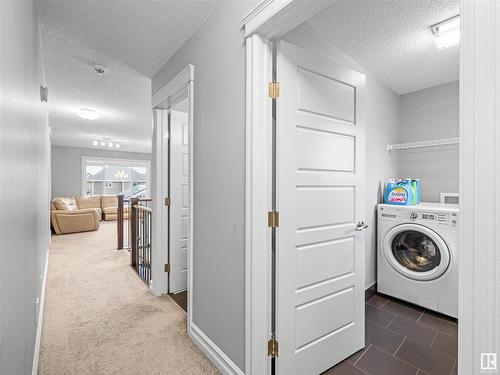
[[134, 39], [142, 33], [392, 40], [122, 96]]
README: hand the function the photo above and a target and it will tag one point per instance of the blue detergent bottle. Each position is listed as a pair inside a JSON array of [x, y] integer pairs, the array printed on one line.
[[399, 193]]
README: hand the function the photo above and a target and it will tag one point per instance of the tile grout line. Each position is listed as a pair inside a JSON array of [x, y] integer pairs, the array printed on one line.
[[420, 317], [454, 365], [402, 342], [434, 339], [362, 354]]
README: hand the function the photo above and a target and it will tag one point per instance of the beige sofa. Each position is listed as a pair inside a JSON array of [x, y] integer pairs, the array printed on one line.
[[67, 217], [81, 214]]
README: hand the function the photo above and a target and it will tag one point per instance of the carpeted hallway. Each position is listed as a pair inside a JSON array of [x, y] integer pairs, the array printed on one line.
[[100, 318]]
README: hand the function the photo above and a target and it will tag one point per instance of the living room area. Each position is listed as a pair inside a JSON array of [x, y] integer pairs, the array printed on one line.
[[86, 184]]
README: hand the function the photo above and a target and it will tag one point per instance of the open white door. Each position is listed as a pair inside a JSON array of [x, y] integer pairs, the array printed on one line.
[[319, 186], [179, 201]]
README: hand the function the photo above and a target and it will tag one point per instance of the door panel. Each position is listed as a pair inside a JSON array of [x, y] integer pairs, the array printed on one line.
[[179, 206], [320, 255]]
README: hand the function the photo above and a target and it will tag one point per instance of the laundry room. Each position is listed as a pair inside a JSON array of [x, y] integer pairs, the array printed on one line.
[[408, 53]]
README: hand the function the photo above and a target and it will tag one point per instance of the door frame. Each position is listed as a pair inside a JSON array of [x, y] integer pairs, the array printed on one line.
[[479, 81], [165, 98]]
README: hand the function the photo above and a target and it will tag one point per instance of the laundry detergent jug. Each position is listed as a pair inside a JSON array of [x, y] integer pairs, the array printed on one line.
[[399, 193]]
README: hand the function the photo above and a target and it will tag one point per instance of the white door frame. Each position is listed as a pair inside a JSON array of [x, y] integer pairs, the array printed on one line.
[[479, 300], [169, 95]]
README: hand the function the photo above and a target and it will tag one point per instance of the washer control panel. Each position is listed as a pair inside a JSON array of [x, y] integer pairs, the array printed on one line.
[[424, 216]]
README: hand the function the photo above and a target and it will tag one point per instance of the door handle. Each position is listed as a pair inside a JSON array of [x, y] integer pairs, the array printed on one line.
[[361, 226]]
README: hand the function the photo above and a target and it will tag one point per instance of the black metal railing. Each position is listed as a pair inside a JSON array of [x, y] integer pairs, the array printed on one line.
[[141, 232]]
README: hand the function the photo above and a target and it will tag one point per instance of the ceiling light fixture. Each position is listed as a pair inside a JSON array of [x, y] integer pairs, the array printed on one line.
[[105, 142], [447, 32], [88, 114]]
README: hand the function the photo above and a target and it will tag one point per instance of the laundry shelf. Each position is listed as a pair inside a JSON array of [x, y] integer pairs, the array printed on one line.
[[422, 144]]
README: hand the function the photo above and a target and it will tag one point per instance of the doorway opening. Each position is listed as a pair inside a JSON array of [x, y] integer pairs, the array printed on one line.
[[172, 189], [346, 123]]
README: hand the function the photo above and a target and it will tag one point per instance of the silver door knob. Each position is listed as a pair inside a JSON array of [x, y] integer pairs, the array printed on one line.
[[361, 225]]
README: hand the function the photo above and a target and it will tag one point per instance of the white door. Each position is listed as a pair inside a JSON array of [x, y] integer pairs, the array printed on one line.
[[179, 201], [320, 178]]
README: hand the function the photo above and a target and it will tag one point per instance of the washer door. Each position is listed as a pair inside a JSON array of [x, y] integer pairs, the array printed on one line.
[[416, 252]]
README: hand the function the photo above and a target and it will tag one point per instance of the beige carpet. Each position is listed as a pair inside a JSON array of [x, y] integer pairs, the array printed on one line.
[[100, 318]]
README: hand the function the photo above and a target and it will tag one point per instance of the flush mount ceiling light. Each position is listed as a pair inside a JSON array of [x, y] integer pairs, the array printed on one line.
[[447, 32], [88, 114]]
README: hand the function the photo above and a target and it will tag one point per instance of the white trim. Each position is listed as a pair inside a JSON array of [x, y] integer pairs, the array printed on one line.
[[257, 203], [213, 352], [177, 84], [274, 18], [36, 353], [180, 86], [479, 281]]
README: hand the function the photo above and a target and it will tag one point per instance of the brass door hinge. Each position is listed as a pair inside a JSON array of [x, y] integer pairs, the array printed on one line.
[[274, 89], [273, 219], [272, 347], [167, 267], [167, 202]]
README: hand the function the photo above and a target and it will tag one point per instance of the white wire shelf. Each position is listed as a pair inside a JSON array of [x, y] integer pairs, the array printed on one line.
[[423, 144]]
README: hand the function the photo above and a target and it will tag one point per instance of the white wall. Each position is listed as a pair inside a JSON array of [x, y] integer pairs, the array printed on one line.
[[429, 114], [382, 127], [24, 167], [67, 167], [218, 54]]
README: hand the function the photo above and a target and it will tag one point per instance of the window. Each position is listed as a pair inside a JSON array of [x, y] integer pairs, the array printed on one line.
[[115, 176]]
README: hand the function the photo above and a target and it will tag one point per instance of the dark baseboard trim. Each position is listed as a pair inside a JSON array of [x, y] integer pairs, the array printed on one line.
[[370, 292]]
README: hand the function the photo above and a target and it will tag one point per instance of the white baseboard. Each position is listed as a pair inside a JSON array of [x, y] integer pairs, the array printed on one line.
[[36, 354], [213, 352]]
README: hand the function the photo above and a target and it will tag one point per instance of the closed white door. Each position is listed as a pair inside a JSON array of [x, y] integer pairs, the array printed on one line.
[[179, 201], [320, 178]]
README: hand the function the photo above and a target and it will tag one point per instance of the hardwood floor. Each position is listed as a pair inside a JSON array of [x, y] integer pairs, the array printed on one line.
[[180, 299]]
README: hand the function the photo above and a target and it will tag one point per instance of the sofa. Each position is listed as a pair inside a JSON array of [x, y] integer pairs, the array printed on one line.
[[83, 214]]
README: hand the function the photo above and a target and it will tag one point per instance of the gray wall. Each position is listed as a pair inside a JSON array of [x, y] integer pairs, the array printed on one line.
[[429, 114], [382, 127], [218, 53], [67, 167], [24, 167]]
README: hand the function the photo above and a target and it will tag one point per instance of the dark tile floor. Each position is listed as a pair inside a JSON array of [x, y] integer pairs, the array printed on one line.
[[403, 339], [180, 299]]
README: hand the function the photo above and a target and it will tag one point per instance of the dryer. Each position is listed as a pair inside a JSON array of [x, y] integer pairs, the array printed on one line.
[[417, 255]]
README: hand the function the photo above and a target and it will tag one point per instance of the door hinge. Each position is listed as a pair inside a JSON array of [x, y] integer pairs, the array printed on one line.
[[272, 347], [167, 202], [274, 89], [273, 219], [167, 267]]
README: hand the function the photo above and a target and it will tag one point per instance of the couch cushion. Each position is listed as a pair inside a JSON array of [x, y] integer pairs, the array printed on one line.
[[89, 202], [65, 204], [113, 210], [109, 201]]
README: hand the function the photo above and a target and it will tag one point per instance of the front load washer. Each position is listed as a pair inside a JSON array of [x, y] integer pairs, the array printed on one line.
[[417, 255]]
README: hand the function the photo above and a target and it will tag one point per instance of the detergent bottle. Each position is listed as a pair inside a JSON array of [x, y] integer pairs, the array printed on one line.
[[415, 183], [399, 193]]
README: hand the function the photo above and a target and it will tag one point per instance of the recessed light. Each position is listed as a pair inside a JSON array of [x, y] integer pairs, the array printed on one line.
[[117, 145], [103, 143], [88, 114], [447, 32], [95, 143]]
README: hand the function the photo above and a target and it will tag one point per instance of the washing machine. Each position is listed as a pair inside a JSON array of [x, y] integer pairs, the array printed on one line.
[[417, 255]]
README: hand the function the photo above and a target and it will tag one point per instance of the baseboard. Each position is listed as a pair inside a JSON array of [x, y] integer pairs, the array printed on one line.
[[213, 352], [370, 291], [36, 354]]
